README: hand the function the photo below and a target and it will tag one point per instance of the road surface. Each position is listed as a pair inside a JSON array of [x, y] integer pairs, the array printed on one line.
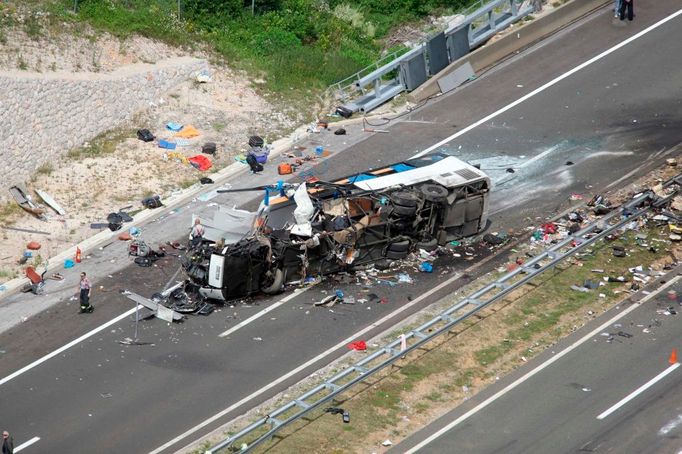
[[613, 119], [615, 392]]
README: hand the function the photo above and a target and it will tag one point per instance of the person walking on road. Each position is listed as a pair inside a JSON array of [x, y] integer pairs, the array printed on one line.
[[85, 288], [629, 5], [7, 443], [197, 234]]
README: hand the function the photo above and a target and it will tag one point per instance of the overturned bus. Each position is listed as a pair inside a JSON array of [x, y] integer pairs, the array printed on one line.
[[320, 227]]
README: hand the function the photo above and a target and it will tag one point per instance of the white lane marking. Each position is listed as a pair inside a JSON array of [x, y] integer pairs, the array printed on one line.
[[639, 391], [27, 444], [263, 312], [550, 84], [305, 365], [66, 347], [542, 366], [670, 426]]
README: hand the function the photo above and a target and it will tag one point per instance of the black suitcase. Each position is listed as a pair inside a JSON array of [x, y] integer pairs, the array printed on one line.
[[256, 141], [345, 112], [145, 135], [208, 148]]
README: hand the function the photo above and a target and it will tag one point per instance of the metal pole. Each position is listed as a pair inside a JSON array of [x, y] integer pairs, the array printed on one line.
[[75, 6], [179, 9], [253, 7]]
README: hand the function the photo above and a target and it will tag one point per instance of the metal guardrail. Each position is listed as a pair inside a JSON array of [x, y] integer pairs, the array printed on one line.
[[447, 319], [408, 70]]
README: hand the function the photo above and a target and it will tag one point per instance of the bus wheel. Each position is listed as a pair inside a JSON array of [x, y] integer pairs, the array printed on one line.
[[434, 192], [274, 282]]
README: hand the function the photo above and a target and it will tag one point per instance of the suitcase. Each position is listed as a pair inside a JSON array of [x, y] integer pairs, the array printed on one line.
[[284, 169], [145, 135], [208, 148], [256, 141], [167, 145], [345, 112]]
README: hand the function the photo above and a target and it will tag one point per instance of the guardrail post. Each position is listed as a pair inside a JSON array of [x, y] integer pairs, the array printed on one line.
[[377, 88]]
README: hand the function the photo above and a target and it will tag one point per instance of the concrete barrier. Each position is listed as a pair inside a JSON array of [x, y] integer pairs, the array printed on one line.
[[523, 36]]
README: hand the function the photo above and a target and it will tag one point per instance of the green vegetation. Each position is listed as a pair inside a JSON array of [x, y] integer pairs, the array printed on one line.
[[296, 46], [45, 169], [102, 145]]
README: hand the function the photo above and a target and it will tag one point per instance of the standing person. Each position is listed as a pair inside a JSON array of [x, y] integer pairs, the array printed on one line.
[[616, 10], [198, 231], [629, 4], [85, 289], [7, 443]]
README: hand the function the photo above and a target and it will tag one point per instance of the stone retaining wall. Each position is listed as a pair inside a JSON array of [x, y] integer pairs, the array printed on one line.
[[42, 116]]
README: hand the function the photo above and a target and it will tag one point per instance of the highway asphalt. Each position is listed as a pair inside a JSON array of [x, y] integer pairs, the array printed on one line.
[[614, 119], [592, 399]]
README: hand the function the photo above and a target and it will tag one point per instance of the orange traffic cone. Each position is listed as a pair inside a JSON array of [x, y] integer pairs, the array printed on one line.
[[78, 254], [673, 357]]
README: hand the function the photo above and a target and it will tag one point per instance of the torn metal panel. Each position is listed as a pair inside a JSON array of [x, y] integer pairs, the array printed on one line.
[[154, 307], [228, 225]]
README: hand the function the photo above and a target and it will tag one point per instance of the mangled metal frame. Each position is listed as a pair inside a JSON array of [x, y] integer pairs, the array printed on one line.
[[379, 214]]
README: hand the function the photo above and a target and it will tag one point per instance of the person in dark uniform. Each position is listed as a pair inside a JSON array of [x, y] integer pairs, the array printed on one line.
[[629, 5], [85, 289], [7, 443]]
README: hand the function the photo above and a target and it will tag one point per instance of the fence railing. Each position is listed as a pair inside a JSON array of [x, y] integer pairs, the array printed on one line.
[[369, 87]]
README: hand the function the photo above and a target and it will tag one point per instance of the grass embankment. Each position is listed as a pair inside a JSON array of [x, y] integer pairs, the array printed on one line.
[[295, 46], [430, 381]]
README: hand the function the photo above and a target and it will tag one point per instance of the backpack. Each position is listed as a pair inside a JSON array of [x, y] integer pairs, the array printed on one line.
[[255, 166], [145, 135]]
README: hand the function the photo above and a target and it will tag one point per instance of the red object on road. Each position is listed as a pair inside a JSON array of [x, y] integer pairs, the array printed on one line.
[[78, 254], [358, 345], [549, 228]]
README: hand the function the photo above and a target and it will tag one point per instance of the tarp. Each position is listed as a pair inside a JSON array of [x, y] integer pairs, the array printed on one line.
[[201, 162], [188, 132]]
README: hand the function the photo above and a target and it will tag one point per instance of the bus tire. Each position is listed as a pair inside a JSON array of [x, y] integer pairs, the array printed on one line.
[[428, 245], [399, 246], [404, 211], [404, 198], [434, 192], [277, 283], [393, 255]]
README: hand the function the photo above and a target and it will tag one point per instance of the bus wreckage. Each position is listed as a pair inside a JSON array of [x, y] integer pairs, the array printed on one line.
[[318, 228]]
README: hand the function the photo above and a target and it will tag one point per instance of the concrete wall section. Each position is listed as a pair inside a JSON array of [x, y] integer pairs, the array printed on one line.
[[531, 32], [44, 115]]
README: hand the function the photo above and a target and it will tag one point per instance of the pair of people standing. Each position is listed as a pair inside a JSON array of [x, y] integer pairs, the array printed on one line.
[[622, 6]]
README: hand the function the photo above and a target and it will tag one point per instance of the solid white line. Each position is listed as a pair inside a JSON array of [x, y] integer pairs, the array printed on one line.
[[639, 391], [304, 365], [66, 347], [550, 83], [27, 444], [542, 366], [263, 312]]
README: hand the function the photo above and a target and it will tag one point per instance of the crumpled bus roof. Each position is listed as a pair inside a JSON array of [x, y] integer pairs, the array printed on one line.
[[445, 170]]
